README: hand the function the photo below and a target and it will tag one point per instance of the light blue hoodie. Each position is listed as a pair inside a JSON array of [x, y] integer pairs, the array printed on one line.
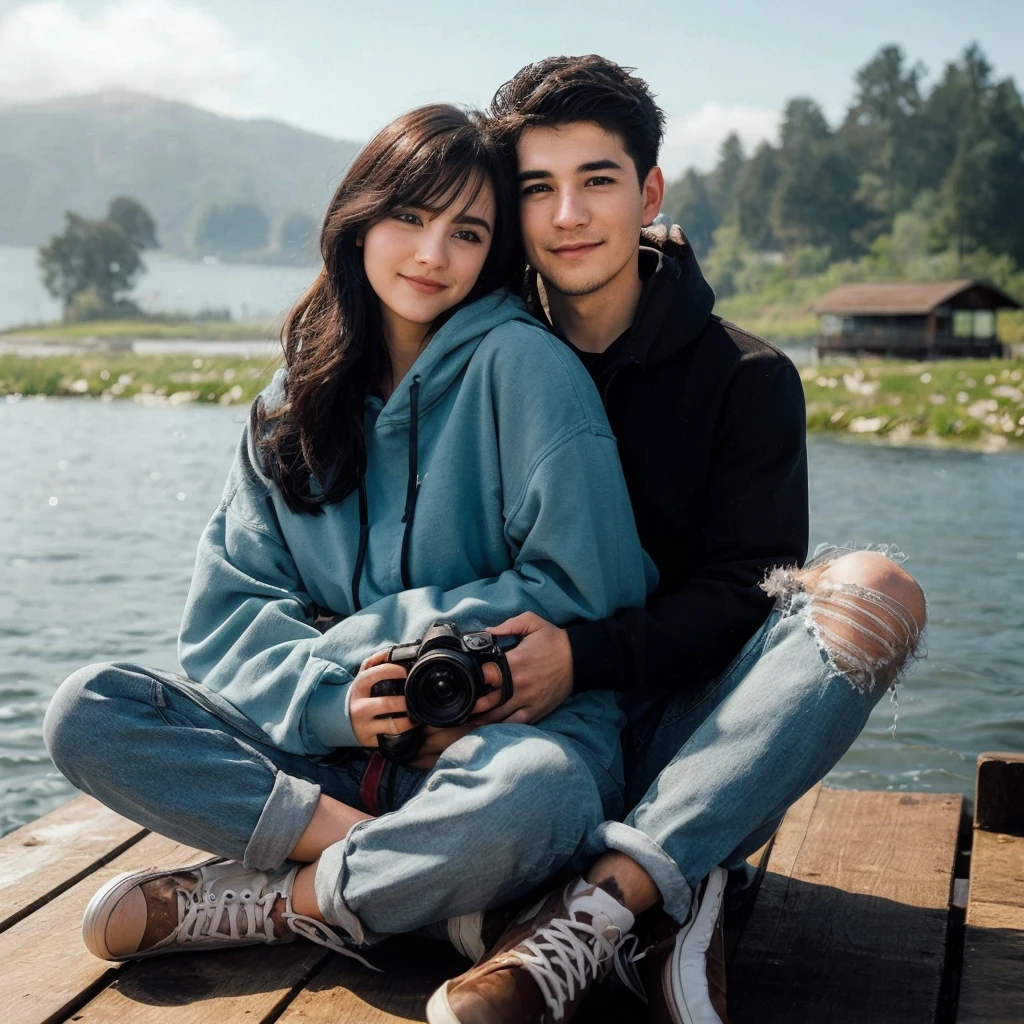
[[493, 462]]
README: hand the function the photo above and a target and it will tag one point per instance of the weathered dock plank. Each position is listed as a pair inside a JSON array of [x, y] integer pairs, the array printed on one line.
[[347, 993], [850, 922], [47, 970], [42, 859], [239, 986], [992, 979]]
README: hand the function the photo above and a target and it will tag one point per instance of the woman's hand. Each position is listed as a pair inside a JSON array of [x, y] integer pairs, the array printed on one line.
[[369, 715]]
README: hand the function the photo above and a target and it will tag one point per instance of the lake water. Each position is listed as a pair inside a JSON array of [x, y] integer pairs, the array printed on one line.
[[250, 291], [103, 503]]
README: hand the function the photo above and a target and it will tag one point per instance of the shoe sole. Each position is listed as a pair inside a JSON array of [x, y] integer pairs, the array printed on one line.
[[698, 933], [439, 1010], [101, 906]]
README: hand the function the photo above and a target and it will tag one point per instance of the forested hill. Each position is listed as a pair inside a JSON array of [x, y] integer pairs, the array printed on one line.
[[78, 153], [923, 177]]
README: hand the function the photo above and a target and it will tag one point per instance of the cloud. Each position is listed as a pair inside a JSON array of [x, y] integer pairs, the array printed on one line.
[[692, 140], [164, 47]]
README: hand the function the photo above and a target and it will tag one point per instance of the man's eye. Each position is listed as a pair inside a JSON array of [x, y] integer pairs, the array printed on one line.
[[532, 190], [601, 180]]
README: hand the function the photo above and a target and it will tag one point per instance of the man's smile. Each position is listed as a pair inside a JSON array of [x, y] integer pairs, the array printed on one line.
[[575, 250]]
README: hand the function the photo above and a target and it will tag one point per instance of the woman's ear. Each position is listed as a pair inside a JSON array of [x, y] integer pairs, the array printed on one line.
[[360, 238]]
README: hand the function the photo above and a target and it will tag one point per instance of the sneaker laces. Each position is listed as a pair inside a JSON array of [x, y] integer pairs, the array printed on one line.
[[201, 914], [626, 970], [561, 957]]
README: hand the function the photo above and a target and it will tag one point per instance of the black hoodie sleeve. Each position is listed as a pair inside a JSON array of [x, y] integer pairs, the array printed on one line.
[[755, 518]]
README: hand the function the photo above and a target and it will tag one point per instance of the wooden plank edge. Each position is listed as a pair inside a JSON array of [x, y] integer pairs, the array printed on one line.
[[999, 792], [71, 881]]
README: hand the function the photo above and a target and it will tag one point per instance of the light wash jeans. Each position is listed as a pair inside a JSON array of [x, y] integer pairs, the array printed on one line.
[[711, 771], [503, 810]]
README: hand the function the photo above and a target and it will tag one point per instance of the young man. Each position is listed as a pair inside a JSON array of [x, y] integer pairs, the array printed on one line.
[[746, 678]]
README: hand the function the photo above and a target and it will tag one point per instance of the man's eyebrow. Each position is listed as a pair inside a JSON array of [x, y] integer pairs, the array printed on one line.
[[465, 218], [594, 165], [599, 165]]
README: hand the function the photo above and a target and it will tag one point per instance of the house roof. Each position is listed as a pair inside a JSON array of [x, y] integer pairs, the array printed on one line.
[[902, 297]]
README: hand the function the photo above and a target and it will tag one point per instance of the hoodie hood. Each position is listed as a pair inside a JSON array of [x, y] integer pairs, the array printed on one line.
[[675, 293], [445, 356]]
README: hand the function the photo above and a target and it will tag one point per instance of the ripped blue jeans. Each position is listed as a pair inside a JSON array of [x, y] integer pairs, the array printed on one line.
[[712, 770]]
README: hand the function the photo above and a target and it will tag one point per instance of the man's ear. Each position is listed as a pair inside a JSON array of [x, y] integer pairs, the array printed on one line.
[[653, 192]]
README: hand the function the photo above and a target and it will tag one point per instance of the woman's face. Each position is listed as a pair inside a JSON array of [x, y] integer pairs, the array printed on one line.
[[421, 264]]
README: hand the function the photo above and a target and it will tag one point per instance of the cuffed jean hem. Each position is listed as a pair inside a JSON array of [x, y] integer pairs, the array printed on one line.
[[287, 812], [328, 884], [675, 891]]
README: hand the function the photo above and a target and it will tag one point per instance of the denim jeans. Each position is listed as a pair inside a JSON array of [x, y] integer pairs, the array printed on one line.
[[711, 771], [504, 808]]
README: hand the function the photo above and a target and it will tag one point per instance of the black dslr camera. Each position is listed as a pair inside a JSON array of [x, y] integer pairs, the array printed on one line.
[[444, 680]]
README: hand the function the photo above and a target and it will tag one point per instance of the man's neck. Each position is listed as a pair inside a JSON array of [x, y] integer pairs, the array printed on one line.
[[592, 322]]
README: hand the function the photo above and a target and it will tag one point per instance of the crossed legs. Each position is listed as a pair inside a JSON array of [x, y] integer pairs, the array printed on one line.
[[730, 761]]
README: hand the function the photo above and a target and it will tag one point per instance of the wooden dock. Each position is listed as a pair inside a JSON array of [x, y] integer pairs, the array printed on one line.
[[864, 913]]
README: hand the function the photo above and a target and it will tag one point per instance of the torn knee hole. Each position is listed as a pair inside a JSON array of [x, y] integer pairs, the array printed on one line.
[[867, 635]]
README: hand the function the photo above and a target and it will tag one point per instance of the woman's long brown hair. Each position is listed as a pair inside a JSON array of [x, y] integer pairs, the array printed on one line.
[[313, 445]]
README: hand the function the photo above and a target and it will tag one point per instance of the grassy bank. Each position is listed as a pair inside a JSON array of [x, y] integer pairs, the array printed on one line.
[[176, 380], [966, 403], [161, 329], [977, 404]]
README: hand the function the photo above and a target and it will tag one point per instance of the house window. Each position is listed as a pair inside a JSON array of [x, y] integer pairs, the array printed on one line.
[[963, 323], [984, 323], [831, 326]]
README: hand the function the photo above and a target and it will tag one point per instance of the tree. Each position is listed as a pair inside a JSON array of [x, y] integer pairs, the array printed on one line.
[[880, 131], [92, 257], [296, 237], [723, 180], [231, 228], [814, 201], [754, 191], [134, 220], [687, 202]]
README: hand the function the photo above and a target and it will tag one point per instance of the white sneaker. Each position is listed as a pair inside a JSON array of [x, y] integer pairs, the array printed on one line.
[[216, 904], [541, 966]]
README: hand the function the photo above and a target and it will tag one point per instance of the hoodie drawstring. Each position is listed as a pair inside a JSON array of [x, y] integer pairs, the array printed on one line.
[[413, 488], [364, 537], [412, 491]]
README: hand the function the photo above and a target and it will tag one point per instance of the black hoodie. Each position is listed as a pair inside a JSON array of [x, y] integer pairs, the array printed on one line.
[[710, 424]]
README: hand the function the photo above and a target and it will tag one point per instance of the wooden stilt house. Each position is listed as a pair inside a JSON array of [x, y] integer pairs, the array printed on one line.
[[912, 320]]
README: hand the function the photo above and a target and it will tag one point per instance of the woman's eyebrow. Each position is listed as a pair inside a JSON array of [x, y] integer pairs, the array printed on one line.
[[465, 218]]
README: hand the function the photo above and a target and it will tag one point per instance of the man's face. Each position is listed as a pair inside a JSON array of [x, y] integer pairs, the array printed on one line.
[[581, 206]]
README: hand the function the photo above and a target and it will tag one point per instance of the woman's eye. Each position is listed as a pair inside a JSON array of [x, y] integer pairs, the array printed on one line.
[[467, 236], [407, 218]]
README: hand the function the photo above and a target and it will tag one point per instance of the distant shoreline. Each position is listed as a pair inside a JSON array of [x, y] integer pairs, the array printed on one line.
[[975, 405]]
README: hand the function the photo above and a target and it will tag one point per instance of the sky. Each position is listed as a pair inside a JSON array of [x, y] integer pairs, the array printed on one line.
[[344, 69]]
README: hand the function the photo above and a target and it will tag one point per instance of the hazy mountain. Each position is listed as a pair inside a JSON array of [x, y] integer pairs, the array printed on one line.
[[78, 153]]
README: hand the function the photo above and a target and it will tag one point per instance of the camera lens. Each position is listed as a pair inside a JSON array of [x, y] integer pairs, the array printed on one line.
[[441, 688]]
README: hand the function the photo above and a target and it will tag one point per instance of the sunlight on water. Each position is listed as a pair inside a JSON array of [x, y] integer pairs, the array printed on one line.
[[103, 504]]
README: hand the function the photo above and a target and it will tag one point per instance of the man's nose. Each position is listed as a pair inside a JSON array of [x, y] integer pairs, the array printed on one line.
[[571, 211]]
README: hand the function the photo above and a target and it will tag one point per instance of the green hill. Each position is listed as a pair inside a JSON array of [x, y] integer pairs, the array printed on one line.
[[77, 153]]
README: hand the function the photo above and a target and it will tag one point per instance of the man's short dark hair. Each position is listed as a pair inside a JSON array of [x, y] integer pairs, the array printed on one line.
[[562, 90]]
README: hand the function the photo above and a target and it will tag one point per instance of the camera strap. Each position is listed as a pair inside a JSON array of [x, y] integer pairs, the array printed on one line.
[[371, 782]]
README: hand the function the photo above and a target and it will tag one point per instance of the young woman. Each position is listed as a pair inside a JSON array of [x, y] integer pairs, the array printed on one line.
[[429, 453]]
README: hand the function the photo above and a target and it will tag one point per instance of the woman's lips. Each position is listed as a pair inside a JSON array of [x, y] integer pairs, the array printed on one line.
[[424, 285]]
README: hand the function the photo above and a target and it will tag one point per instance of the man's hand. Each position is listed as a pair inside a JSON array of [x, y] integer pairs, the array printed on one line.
[[541, 669]]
